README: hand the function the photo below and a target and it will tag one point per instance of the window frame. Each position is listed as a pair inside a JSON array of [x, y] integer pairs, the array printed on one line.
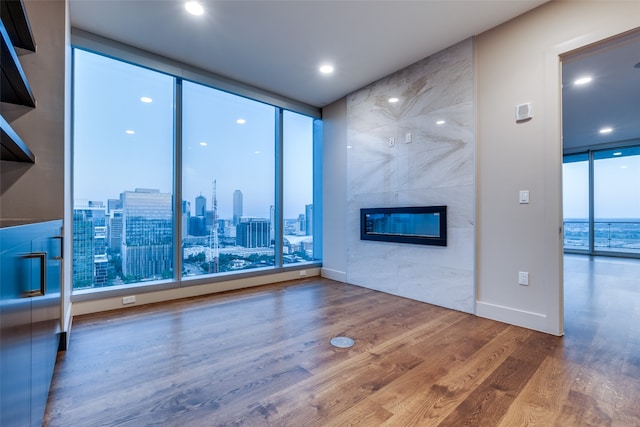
[[591, 156], [81, 40]]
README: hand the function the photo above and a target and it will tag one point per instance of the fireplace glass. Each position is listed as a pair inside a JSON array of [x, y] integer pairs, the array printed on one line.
[[423, 225]]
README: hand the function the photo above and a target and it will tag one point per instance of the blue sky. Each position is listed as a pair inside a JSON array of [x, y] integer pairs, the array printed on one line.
[[616, 188], [108, 160]]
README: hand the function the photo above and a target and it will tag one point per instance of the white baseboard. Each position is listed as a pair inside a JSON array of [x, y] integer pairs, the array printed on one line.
[[525, 319], [112, 303], [339, 276]]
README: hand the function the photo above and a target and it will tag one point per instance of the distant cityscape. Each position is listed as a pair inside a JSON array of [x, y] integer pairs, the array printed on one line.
[[129, 239]]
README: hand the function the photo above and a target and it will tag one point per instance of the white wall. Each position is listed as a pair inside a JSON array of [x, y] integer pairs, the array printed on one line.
[[519, 62], [334, 193]]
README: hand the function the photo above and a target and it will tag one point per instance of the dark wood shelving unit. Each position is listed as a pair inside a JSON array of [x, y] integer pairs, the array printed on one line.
[[15, 31], [17, 25], [15, 87], [12, 146]]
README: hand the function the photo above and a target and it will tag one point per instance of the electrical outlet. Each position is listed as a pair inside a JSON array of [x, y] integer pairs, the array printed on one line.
[[303, 273], [392, 141], [128, 300], [523, 278]]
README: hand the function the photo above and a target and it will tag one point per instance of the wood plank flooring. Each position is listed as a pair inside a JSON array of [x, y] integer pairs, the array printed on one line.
[[261, 357]]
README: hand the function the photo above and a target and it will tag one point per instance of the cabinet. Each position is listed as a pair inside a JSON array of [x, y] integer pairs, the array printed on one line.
[[15, 32], [30, 281]]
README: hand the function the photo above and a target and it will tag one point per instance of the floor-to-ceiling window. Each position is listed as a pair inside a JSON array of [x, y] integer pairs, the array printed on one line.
[[616, 200], [175, 180], [575, 190], [228, 169], [122, 173], [298, 216], [602, 201]]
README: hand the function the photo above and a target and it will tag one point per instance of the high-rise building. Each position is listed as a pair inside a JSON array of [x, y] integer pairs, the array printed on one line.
[[237, 206], [90, 260], [253, 233], [147, 235], [114, 230], [272, 224], [100, 258], [301, 225], [82, 264], [208, 220], [201, 205], [197, 226], [308, 215], [186, 214], [113, 204], [229, 231]]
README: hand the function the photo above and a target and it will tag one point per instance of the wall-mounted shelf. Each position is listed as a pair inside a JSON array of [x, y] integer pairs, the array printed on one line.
[[12, 147], [15, 88], [15, 31], [15, 20]]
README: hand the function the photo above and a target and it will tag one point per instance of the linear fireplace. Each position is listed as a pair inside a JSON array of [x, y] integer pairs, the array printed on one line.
[[422, 225]]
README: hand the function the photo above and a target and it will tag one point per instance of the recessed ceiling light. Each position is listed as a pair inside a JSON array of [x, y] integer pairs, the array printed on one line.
[[241, 121], [393, 100], [618, 153], [606, 130], [146, 100], [130, 132], [326, 69], [257, 152], [623, 167], [194, 8], [204, 144], [582, 81], [440, 122]]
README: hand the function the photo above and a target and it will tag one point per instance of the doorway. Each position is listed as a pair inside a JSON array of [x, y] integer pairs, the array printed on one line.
[[601, 148]]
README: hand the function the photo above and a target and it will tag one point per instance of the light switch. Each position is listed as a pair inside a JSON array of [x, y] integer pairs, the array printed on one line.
[[407, 137], [524, 197]]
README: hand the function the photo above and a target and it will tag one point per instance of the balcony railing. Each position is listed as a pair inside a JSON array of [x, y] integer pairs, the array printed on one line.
[[609, 235]]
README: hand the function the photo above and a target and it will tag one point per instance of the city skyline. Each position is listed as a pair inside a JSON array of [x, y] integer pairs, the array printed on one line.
[[132, 240], [95, 203]]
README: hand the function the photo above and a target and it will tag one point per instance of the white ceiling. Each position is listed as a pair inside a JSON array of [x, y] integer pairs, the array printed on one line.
[[278, 45], [612, 99]]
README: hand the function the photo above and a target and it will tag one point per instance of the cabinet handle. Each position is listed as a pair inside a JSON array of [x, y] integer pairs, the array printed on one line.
[[42, 256], [61, 238]]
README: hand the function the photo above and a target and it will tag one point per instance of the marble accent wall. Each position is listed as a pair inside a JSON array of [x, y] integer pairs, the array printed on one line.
[[436, 168]]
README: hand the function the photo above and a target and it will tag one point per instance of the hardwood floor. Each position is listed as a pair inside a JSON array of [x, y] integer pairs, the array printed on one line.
[[262, 357]]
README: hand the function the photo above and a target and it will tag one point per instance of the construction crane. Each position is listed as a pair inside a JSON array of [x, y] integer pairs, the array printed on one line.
[[213, 233]]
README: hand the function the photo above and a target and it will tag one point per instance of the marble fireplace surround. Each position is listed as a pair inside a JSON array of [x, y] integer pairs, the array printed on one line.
[[436, 167]]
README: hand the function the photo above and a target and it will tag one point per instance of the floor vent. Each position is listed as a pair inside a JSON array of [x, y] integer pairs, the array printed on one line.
[[342, 342]]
